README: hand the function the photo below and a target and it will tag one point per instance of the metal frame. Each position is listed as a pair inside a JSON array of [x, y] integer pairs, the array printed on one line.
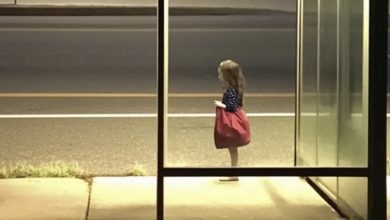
[[377, 80], [161, 103], [298, 85], [378, 15], [376, 170]]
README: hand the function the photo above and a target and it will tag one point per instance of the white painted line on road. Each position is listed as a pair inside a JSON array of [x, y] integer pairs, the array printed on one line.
[[143, 95], [32, 29], [271, 114], [209, 95], [151, 115], [144, 115], [76, 95], [141, 115], [232, 30], [129, 29], [205, 115], [133, 95]]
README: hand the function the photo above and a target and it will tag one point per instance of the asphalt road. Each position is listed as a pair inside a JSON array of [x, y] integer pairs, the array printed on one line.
[[118, 54], [123, 105], [113, 145]]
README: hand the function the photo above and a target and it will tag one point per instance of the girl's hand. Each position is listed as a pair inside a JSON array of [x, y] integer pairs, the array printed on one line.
[[219, 104]]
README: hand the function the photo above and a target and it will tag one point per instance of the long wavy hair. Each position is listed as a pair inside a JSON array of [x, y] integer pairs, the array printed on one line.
[[232, 74]]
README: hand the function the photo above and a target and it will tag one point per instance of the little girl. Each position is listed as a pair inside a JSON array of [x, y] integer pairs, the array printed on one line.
[[231, 74]]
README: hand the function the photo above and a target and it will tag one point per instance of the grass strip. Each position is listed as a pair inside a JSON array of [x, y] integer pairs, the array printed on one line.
[[51, 169]]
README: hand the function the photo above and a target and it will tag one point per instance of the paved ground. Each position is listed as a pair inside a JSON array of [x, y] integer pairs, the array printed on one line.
[[43, 199], [185, 198], [105, 146], [112, 146]]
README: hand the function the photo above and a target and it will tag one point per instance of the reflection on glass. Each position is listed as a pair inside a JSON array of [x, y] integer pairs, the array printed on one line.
[[332, 116], [353, 191], [262, 40], [350, 194], [331, 125], [307, 131], [352, 140], [327, 96]]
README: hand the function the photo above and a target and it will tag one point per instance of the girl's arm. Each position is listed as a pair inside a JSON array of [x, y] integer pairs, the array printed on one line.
[[219, 104]]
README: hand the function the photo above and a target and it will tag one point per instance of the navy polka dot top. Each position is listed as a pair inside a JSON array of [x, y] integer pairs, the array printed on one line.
[[231, 98]]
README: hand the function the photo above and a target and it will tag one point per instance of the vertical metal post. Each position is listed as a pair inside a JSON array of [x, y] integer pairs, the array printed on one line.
[[298, 78], [162, 57], [318, 78], [377, 83]]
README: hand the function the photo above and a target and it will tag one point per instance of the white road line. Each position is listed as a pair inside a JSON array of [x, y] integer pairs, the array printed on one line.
[[132, 95], [232, 30], [16, 29], [62, 29], [76, 95], [140, 95], [146, 115], [141, 115]]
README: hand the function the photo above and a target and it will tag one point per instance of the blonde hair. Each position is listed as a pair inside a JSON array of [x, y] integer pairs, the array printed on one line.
[[232, 74]]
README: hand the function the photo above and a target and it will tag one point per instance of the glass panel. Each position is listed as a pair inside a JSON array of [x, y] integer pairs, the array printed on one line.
[[328, 84], [388, 196], [353, 192], [327, 88], [350, 194], [248, 198], [308, 85], [262, 40], [388, 124], [79, 89], [335, 134], [353, 114], [332, 124]]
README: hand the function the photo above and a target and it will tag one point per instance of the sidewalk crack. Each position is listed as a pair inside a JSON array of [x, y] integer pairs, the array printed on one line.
[[89, 181]]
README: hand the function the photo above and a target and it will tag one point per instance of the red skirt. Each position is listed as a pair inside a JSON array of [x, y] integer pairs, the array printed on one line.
[[231, 128]]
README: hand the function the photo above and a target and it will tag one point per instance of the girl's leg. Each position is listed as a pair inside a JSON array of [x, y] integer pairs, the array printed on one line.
[[233, 151]]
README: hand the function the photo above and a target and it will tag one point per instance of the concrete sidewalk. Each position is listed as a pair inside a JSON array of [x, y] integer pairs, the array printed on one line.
[[43, 198], [185, 198]]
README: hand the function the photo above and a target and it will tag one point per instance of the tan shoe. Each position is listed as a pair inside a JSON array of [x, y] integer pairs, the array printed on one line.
[[230, 178]]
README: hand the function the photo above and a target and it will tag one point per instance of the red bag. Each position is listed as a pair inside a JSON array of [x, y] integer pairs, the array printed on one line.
[[231, 128]]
